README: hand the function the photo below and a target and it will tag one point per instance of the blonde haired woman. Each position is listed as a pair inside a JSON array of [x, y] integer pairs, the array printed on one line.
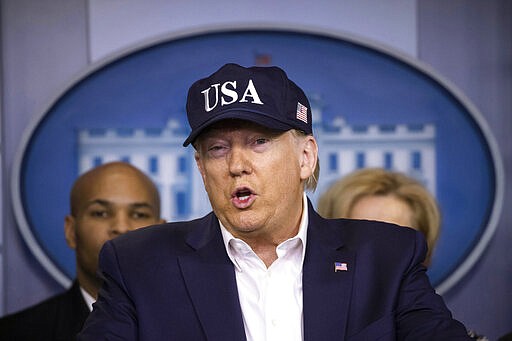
[[379, 194]]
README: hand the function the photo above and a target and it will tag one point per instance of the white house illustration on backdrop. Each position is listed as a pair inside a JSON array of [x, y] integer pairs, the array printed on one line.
[[343, 148]]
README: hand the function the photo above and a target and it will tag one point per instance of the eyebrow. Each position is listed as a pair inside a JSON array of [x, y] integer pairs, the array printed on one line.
[[109, 203]]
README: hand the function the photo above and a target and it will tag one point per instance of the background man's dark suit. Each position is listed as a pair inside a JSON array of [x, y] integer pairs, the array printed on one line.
[[58, 318], [176, 282]]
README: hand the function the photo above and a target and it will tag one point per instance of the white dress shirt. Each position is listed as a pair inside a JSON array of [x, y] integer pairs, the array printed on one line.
[[270, 298], [89, 300]]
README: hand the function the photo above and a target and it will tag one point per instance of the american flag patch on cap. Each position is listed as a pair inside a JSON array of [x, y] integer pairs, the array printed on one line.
[[302, 112]]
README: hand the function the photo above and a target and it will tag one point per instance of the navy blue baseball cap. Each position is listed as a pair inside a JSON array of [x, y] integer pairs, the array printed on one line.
[[263, 95]]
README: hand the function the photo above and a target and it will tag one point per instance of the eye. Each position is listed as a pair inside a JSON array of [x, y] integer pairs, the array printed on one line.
[[138, 215], [98, 213], [217, 150], [261, 140], [261, 143]]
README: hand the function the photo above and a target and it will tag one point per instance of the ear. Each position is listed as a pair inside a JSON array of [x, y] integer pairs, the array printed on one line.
[[309, 157], [70, 231]]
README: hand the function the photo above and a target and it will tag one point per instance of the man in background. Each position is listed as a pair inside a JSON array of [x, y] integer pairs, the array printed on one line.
[[105, 202]]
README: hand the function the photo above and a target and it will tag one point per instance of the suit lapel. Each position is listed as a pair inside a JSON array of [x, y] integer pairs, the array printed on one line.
[[72, 311], [210, 279], [326, 292]]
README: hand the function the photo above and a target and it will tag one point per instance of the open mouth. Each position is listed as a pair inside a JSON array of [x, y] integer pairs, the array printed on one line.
[[242, 197], [243, 194]]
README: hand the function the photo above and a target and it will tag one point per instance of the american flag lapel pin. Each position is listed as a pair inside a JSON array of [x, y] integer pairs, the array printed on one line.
[[339, 266]]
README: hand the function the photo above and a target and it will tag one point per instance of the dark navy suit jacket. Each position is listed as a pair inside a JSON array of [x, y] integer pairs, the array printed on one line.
[[176, 282], [58, 318]]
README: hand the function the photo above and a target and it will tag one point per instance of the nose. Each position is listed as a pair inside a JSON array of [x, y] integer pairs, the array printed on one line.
[[239, 162], [120, 224]]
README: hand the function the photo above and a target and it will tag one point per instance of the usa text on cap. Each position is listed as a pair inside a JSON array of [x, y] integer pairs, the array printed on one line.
[[263, 95]]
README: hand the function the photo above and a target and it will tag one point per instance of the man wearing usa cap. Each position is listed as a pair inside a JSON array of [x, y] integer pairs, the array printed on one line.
[[264, 265]]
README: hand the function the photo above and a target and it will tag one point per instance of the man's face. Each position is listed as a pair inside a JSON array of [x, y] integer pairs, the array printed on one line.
[[254, 176], [112, 203]]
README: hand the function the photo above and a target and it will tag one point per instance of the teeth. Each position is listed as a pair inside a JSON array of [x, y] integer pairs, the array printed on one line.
[[243, 198]]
